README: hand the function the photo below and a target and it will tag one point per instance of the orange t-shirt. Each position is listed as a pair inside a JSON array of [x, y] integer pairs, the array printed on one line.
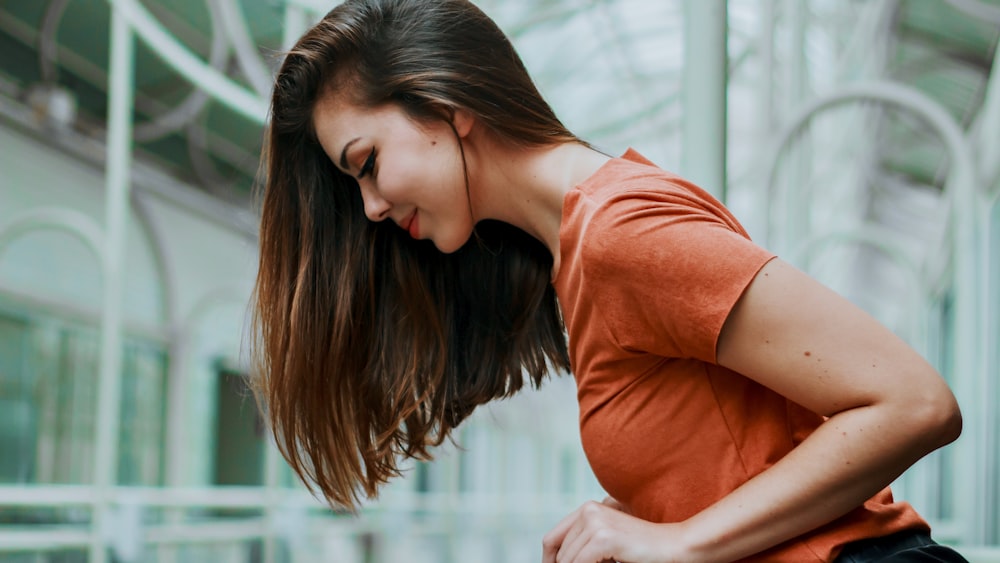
[[651, 266]]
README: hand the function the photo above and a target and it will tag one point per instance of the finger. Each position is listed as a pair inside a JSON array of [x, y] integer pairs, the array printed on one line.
[[617, 505], [553, 540], [576, 538], [597, 549], [613, 503], [588, 523]]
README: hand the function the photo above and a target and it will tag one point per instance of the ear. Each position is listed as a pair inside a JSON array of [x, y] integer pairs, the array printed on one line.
[[463, 120]]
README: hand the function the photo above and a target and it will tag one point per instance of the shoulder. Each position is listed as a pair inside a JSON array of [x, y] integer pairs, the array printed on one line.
[[646, 212], [661, 259]]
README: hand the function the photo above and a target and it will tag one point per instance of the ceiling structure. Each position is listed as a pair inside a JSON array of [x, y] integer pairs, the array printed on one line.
[[613, 72], [63, 44], [611, 68]]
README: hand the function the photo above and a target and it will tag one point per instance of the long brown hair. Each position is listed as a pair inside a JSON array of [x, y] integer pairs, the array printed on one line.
[[371, 347]]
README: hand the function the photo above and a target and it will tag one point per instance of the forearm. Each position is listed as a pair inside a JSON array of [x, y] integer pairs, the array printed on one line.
[[842, 464]]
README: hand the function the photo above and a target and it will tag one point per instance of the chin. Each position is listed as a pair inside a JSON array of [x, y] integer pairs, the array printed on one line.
[[451, 244], [448, 248]]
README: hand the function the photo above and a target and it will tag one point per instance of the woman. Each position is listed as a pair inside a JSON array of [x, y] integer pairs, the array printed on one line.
[[423, 208]]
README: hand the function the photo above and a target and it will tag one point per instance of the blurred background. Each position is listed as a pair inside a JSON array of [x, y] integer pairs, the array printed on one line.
[[859, 139]]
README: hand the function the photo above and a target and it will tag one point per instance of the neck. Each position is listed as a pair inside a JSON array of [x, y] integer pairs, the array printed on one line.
[[525, 187]]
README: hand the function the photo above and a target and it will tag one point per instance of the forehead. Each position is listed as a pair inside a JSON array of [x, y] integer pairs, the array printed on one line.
[[336, 119], [333, 114]]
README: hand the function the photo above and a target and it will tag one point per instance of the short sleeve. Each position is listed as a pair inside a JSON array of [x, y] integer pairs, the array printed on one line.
[[666, 271]]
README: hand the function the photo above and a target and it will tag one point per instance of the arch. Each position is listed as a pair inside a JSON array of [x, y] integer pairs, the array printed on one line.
[[74, 223], [188, 65], [961, 188], [865, 236], [804, 253], [164, 268], [47, 45], [183, 113], [961, 185], [222, 295], [988, 137], [234, 23], [970, 346], [178, 375], [86, 230]]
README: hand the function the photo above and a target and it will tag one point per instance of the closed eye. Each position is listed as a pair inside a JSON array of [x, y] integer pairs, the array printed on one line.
[[368, 165]]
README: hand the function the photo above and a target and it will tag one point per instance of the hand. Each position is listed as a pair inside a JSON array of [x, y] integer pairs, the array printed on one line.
[[604, 533]]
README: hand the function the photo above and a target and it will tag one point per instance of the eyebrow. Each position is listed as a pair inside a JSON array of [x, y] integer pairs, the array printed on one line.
[[343, 153]]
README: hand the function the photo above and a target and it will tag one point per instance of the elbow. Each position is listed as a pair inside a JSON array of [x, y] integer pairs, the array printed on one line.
[[951, 426], [936, 419]]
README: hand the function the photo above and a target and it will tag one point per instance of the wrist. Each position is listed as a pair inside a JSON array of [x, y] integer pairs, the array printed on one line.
[[698, 543]]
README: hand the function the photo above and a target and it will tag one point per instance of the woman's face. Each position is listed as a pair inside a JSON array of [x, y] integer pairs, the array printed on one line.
[[409, 172]]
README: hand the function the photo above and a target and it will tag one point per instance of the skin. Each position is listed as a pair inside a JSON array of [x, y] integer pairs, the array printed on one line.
[[418, 167], [415, 172], [886, 406]]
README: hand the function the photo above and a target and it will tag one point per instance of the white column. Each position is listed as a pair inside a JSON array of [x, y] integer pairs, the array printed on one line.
[[990, 335], [295, 24], [703, 154], [987, 137], [794, 209], [766, 82], [119, 141], [275, 495]]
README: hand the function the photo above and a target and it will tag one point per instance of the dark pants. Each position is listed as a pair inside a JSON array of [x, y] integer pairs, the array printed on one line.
[[903, 547]]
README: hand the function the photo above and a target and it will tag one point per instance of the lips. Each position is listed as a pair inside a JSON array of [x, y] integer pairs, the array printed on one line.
[[411, 224]]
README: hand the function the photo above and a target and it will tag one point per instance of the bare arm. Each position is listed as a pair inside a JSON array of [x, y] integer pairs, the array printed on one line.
[[887, 408]]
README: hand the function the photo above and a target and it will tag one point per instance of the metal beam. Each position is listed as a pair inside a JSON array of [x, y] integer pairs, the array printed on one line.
[[120, 103], [187, 64], [703, 149]]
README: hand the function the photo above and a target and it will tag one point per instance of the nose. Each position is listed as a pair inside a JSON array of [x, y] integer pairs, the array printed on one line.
[[376, 207]]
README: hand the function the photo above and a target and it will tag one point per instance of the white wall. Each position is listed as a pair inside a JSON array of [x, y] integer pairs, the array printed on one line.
[[53, 265], [207, 276]]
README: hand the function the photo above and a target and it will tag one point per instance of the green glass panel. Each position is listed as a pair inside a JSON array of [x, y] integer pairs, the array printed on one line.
[[17, 409]]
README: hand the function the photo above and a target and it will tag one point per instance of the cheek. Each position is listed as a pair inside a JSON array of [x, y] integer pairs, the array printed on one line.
[[395, 184], [407, 176]]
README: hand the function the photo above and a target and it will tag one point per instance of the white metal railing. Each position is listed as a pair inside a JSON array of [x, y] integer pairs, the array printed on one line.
[[460, 523], [292, 516]]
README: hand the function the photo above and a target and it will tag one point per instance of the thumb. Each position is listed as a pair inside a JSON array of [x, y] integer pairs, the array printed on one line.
[[613, 503]]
